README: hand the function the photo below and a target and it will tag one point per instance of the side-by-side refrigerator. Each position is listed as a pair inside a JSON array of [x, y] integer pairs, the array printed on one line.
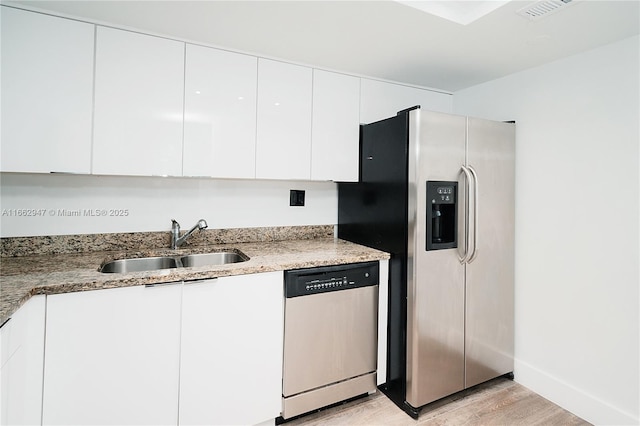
[[437, 192]]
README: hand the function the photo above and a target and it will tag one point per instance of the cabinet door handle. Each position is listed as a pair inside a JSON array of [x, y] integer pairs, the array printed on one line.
[[5, 323], [201, 281], [152, 285]]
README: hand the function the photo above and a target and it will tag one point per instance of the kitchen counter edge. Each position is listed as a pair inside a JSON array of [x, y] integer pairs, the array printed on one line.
[[28, 276]]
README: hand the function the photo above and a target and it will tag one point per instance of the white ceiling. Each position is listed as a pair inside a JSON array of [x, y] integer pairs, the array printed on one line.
[[381, 39]]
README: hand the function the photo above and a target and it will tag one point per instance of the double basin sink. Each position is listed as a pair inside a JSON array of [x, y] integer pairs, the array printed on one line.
[[141, 264]]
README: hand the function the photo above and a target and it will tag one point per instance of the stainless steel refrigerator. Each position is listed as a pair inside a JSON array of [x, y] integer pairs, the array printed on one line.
[[437, 192]]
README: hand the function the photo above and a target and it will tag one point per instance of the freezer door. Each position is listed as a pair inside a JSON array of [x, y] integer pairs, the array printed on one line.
[[490, 275], [435, 278]]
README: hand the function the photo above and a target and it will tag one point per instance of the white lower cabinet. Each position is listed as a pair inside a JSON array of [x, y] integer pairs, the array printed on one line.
[[208, 352], [112, 356], [21, 355], [231, 362], [383, 301]]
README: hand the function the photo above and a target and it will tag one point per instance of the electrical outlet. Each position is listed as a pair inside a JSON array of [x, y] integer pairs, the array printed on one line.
[[296, 197]]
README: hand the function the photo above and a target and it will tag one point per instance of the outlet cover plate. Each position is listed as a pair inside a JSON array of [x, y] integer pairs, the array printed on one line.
[[296, 197]]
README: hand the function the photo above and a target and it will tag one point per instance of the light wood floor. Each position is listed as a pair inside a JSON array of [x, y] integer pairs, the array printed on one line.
[[498, 402]]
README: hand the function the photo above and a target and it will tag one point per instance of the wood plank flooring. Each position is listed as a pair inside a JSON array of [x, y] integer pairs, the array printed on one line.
[[498, 402]]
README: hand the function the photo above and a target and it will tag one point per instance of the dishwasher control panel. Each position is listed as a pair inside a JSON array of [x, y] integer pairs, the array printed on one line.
[[323, 279]]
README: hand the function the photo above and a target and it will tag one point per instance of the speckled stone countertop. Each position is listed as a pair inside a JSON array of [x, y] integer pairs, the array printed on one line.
[[26, 276]]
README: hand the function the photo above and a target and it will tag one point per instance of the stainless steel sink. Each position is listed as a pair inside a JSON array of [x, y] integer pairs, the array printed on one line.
[[139, 264], [211, 259], [169, 262]]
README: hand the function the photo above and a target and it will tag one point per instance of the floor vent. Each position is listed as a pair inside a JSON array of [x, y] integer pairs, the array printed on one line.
[[543, 8]]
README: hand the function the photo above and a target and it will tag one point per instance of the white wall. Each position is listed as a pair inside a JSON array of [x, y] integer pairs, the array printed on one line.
[[152, 202], [577, 280]]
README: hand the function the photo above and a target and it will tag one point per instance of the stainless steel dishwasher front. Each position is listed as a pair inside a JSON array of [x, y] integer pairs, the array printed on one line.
[[330, 335]]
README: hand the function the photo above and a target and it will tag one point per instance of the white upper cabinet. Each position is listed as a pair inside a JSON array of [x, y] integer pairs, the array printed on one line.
[[81, 98], [47, 93], [380, 100], [336, 123], [139, 85], [219, 113], [283, 147]]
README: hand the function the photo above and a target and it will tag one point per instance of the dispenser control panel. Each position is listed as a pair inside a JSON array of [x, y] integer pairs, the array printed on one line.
[[446, 194], [442, 215]]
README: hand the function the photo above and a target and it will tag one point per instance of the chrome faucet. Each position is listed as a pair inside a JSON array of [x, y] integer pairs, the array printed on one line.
[[176, 239]]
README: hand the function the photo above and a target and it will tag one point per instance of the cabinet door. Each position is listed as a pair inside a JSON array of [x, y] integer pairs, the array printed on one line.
[[219, 113], [283, 147], [112, 356], [380, 100], [335, 129], [22, 353], [231, 361], [139, 87], [47, 93]]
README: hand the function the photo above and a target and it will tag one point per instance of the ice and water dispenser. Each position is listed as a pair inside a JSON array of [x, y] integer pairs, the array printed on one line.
[[442, 213]]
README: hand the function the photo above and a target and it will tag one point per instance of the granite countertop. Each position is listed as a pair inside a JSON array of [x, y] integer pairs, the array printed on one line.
[[26, 276]]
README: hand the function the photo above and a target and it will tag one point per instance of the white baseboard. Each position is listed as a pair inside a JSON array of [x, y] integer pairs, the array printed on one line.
[[575, 400]]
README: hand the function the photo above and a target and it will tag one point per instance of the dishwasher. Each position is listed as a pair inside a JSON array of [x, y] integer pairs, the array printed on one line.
[[330, 335]]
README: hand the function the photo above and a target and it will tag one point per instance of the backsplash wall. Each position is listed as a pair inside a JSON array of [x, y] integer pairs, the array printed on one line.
[[61, 204]]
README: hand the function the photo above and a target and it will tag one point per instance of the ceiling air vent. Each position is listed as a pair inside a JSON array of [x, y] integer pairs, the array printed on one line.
[[543, 8]]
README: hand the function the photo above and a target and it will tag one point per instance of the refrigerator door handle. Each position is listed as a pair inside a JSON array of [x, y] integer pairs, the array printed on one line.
[[467, 252], [476, 214]]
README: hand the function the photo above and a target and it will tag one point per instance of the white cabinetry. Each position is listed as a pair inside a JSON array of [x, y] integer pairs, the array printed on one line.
[[383, 307], [283, 147], [231, 362], [112, 356], [240, 116], [335, 133], [139, 85], [21, 356], [380, 100], [220, 113], [47, 93]]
